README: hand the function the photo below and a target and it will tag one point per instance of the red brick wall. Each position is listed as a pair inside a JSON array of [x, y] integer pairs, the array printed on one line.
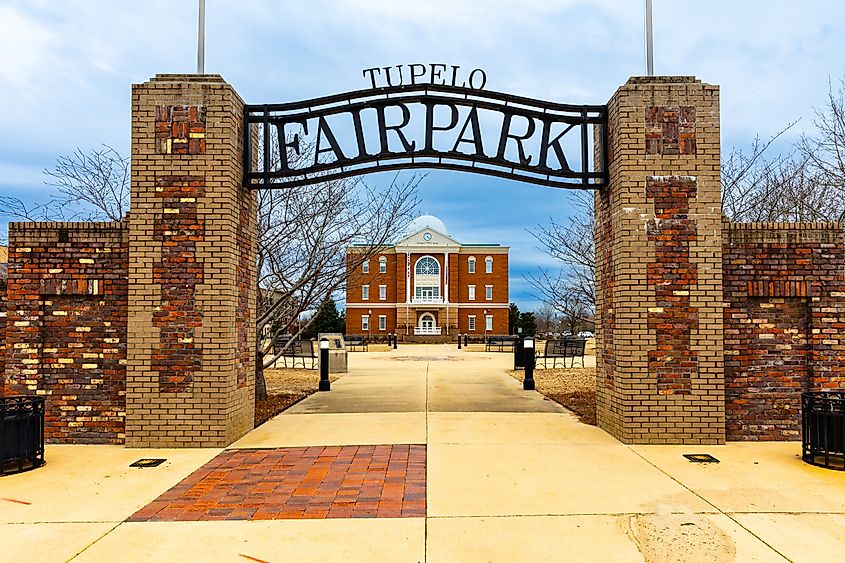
[[66, 326], [463, 279], [784, 312], [673, 363]]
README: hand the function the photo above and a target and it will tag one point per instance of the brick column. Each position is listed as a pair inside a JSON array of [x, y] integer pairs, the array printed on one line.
[[660, 375], [192, 229]]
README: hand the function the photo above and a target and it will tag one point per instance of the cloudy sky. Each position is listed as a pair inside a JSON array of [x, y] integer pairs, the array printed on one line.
[[66, 68]]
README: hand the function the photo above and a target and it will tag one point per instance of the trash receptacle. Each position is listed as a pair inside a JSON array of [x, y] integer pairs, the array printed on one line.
[[823, 428], [21, 433]]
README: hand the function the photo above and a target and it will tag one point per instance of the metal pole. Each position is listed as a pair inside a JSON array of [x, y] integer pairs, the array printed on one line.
[[201, 39], [649, 40], [395, 338], [325, 382], [459, 340]]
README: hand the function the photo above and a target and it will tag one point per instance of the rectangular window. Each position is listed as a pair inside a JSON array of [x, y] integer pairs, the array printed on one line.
[[472, 265], [425, 292], [488, 265], [366, 267], [365, 292], [488, 292], [472, 293], [365, 322], [472, 322], [382, 292], [488, 323], [382, 265], [382, 322]]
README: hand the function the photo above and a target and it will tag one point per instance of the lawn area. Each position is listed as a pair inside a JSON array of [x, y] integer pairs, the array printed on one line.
[[286, 387], [574, 388]]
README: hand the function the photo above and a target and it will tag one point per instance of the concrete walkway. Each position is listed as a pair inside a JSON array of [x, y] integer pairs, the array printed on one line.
[[509, 476]]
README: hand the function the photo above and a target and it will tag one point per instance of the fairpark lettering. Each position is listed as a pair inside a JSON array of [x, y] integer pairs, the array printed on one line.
[[419, 119]]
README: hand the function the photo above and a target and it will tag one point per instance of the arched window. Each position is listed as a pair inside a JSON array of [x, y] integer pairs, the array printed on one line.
[[427, 266], [382, 264], [488, 265], [471, 262]]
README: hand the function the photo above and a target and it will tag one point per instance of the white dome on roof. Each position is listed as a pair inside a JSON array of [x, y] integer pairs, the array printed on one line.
[[426, 222]]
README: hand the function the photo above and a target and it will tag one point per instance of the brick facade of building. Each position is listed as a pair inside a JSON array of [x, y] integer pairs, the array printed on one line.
[[409, 300], [66, 303], [658, 266], [784, 287]]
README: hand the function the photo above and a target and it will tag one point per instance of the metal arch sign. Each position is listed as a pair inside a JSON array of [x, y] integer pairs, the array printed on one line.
[[434, 124]]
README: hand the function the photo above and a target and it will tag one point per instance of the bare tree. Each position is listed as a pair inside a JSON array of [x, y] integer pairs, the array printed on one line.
[[759, 186], [303, 236], [569, 290], [90, 186], [824, 154]]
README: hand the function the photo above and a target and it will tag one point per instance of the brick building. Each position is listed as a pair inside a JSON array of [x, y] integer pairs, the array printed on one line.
[[428, 286]]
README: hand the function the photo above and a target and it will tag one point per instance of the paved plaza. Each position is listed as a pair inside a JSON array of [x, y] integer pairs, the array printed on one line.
[[425, 453]]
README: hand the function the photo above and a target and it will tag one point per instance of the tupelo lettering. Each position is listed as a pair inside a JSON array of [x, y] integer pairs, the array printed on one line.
[[418, 73]]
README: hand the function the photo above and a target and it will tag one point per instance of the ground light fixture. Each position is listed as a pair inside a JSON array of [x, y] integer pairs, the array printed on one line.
[[148, 462], [701, 458]]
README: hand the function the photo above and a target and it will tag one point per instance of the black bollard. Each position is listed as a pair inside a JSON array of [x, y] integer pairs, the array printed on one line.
[[459, 341], [395, 338], [466, 340], [528, 362], [389, 339], [325, 383]]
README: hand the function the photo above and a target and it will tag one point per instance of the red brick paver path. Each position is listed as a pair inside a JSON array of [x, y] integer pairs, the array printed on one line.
[[314, 482]]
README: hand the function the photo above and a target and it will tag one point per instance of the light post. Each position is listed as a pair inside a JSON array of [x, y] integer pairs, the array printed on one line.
[[528, 362], [325, 383], [369, 325], [485, 326]]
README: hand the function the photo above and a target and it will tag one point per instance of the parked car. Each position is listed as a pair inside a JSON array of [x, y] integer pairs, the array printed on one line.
[[585, 334], [567, 333]]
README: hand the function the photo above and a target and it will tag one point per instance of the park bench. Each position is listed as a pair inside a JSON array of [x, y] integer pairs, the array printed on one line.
[[562, 349], [354, 341], [300, 350], [280, 341], [500, 343]]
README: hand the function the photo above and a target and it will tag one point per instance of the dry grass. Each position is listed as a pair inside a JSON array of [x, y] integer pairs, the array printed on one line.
[[285, 388], [574, 388]]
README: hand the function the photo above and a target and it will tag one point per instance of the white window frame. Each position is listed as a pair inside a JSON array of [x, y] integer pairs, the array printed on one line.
[[471, 263], [471, 322], [365, 267], [382, 322], [488, 292], [382, 293], [471, 293], [365, 322], [488, 323], [420, 259], [382, 265], [365, 293], [488, 265]]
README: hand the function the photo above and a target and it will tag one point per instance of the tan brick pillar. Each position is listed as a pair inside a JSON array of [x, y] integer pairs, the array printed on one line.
[[190, 368], [660, 376]]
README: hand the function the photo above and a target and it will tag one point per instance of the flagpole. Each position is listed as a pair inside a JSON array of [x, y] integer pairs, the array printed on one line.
[[649, 40], [201, 39]]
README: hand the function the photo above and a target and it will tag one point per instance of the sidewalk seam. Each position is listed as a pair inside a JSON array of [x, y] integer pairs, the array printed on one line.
[[87, 547]]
